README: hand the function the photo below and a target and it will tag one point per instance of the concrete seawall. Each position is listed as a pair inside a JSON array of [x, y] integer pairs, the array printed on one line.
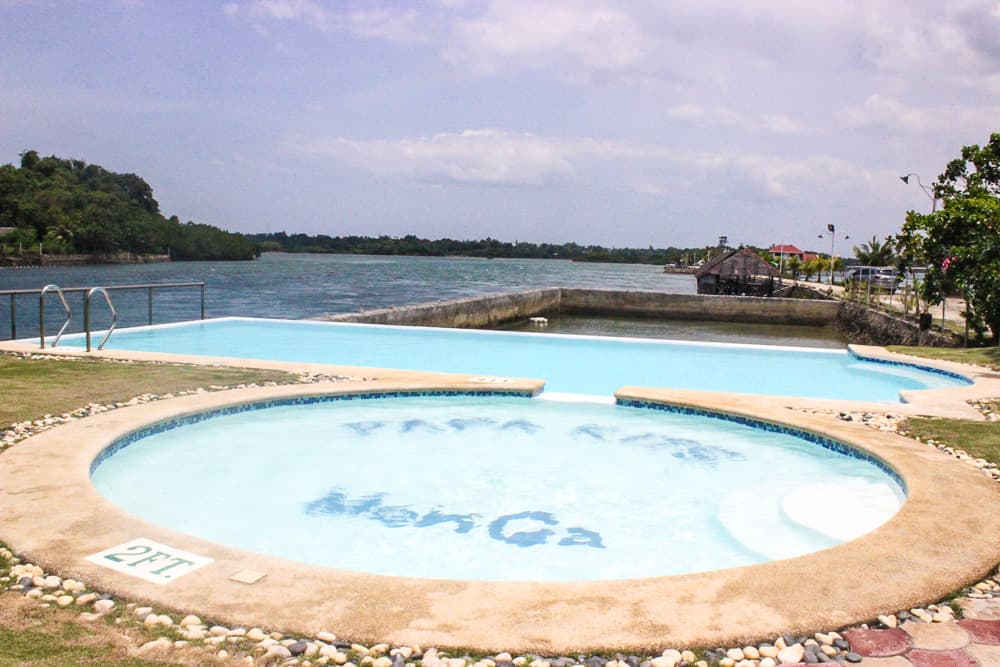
[[473, 313], [490, 311], [660, 305]]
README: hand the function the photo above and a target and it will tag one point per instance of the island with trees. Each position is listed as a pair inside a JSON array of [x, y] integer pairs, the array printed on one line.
[[57, 208]]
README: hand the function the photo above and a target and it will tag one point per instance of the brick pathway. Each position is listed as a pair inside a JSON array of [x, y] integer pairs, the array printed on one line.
[[972, 642]]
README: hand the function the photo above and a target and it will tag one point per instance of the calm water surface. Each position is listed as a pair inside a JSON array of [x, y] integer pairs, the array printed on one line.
[[300, 286], [296, 286]]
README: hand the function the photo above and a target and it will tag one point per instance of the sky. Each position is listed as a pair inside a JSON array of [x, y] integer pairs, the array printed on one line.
[[625, 124]]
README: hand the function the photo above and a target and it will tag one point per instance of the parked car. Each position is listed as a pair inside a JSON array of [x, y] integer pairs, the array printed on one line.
[[881, 277]]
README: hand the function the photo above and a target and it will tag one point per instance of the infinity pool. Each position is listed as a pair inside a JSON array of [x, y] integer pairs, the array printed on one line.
[[489, 488], [574, 364]]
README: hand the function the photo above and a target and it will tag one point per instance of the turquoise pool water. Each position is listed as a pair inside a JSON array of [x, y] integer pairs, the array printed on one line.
[[512, 489], [573, 364]]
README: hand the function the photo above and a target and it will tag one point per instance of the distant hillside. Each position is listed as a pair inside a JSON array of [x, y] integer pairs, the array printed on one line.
[[69, 206]]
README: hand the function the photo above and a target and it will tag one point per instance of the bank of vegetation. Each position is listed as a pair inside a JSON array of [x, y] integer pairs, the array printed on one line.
[[52, 206], [411, 245]]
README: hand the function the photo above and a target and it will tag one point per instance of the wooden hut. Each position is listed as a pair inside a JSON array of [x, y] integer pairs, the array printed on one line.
[[737, 272]]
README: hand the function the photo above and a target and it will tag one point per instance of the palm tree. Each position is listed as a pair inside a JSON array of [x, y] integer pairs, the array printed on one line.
[[873, 253], [794, 265]]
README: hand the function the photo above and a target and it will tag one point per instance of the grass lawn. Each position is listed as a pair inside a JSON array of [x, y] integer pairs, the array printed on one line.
[[32, 388], [981, 356], [980, 439], [30, 635]]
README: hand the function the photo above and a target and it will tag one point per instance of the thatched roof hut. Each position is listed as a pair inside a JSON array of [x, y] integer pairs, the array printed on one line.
[[736, 272]]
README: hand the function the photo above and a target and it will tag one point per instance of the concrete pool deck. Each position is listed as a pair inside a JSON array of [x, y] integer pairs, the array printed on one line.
[[947, 535]]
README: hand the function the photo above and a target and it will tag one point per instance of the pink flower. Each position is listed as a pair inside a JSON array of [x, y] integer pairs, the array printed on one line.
[[946, 263]]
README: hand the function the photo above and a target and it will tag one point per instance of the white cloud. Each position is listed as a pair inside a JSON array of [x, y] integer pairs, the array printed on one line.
[[492, 157], [888, 114], [308, 11], [502, 157], [583, 36], [724, 117], [394, 25]]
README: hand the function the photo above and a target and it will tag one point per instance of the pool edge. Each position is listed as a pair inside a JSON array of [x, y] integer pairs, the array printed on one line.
[[58, 519]]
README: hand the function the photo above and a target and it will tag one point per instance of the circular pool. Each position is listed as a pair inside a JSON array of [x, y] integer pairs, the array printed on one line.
[[497, 488]]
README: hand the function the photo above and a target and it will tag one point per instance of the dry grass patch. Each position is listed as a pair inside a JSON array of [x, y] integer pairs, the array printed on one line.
[[36, 387], [988, 357], [31, 388]]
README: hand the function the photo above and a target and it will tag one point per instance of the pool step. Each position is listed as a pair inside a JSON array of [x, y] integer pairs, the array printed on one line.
[[754, 518], [842, 511]]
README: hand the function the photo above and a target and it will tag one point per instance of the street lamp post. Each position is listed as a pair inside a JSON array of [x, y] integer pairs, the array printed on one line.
[[833, 237], [929, 191]]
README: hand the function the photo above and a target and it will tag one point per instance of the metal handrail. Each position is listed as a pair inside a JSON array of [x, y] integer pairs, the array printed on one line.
[[149, 287], [41, 314], [86, 315]]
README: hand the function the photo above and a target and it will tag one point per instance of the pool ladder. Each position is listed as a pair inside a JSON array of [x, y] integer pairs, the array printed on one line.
[[86, 314]]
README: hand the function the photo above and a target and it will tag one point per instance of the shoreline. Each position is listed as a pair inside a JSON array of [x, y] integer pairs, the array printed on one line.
[[38, 261]]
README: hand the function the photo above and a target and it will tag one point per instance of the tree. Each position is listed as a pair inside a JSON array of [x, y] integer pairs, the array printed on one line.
[[873, 253], [794, 265], [960, 243]]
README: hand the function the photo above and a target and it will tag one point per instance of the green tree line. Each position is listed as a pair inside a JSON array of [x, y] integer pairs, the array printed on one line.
[[413, 246], [68, 206]]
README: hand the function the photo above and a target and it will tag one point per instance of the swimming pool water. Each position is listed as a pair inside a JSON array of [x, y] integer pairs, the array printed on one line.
[[574, 364], [498, 488]]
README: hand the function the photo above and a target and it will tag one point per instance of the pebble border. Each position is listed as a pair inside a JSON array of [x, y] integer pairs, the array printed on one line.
[[256, 646]]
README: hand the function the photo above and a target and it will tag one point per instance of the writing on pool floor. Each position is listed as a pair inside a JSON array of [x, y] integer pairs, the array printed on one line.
[[149, 560], [503, 528]]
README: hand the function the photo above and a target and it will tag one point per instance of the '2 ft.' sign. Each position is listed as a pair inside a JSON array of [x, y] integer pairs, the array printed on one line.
[[149, 560]]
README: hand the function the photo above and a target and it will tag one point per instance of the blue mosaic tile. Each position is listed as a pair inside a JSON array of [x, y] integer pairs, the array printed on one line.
[[907, 364], [170, 424], [823, 441]]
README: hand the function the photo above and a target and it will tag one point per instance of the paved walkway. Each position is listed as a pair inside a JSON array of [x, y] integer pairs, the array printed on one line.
[[972, 642]]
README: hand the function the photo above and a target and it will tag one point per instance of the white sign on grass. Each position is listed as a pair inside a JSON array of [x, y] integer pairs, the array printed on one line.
[[149, 560]]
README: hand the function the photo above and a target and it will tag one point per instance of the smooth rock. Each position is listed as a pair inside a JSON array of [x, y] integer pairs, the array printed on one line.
[[157, 644], [751, 653], [189, 620], [768, 651], [142, 612], [327, 637], [73, 586], [767, 662], [276, 653], [104, 606], [64, 600], [687, 656], [792, 654], [256, 635]]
